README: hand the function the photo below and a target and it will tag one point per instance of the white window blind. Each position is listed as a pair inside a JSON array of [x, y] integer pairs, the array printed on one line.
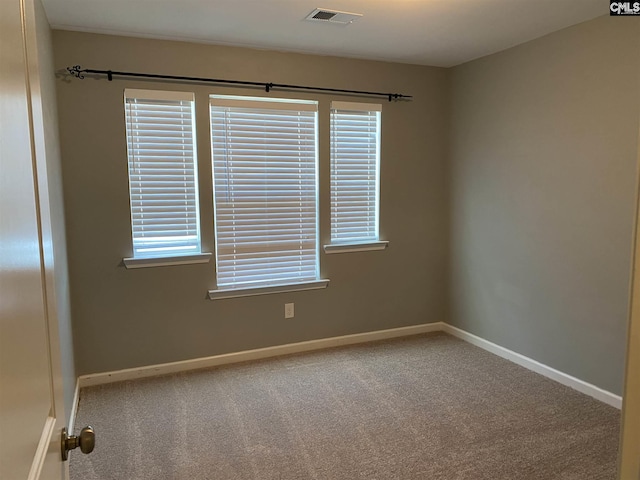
[[265, 191], [163, 185], [355, 169]]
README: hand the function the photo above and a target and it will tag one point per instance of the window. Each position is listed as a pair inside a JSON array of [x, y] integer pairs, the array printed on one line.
[[355, 173], [163, 186], [265, 194]]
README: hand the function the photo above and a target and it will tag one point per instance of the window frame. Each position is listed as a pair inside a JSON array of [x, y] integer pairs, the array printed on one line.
[[356, 243], [242, 289], [166, 256]]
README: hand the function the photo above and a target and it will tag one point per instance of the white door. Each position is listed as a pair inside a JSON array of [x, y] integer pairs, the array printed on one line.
[[630, 449], [31, 406]]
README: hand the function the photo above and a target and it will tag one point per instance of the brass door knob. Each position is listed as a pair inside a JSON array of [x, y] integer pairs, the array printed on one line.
[[86, 441]]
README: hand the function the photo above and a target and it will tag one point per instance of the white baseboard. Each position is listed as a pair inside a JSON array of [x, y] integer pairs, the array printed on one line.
[[206, 362], [530, 364], [74, 408]]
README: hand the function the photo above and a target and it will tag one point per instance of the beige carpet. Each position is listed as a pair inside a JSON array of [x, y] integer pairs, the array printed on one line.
[[423, 407]]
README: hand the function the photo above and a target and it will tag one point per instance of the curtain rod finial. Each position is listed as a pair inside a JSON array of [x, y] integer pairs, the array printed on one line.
[[76, 71]]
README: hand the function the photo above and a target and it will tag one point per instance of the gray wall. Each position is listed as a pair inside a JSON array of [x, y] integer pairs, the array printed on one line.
[[45, 108], [544, 140], [507, 194], [127, 318]]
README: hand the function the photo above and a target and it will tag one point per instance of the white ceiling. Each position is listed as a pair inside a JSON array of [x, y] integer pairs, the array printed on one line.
[[427, 32]]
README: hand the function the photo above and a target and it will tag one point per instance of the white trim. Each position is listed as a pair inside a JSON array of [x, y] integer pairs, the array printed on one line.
[[263, 103], [266, 290], [169, 95], [43, 448], [207, 362], [74, 408], [356, 106], [535, 366], [355, 247], [247, 355], [165, 261]]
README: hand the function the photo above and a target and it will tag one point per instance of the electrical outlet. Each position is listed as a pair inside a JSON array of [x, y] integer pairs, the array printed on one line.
[[288, 310]]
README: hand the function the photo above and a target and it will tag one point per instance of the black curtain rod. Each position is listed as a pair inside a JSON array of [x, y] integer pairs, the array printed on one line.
[[78, 71]]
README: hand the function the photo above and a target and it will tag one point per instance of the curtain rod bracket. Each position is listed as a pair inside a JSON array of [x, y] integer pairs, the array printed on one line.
[[110, 75]]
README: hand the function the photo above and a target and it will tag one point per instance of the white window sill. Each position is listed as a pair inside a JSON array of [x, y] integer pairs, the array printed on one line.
[[266, 290], [164, 261], [355, 247]]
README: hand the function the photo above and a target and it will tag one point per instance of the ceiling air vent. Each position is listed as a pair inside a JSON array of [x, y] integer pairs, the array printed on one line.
[[332, 16]]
